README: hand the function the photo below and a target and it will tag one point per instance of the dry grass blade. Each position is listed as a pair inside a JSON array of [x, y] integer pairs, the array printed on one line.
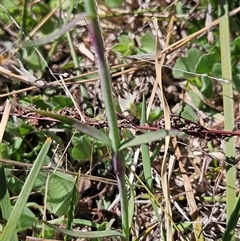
[[187, 39], [51, 168], [68, 81], [197, 223], [4, 120], [164, 175]]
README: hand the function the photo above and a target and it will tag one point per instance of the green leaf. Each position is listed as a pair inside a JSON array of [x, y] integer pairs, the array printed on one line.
[[155, 114], [148, 137], [207, 87], [125, 45], [60, 192], [189, 113], [80, 234], [25, 192], [61, 101], [79, 126], [83, 150], [147, 43], [186, 64], [26, 220], [120, 48], [113, 3], [206, 63], [80, 153], [34, 61], [48, 27], [5, 151], [195, 98], [41, 104], [217, 70], [10, 4], [19, 129], [237, 43]]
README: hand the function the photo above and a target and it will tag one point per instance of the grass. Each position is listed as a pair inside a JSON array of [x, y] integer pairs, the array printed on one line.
[[86, 150]]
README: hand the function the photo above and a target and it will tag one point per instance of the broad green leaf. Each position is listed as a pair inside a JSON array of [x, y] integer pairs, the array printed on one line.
[[206, 63], [61, 101], [217, 70], [125, 45], [14, 186], [147, 43], [80, 234], [237, 43], [10, 4], [59, 193], [187, 64], [26, 220], [25, 192], [41, 179], [189, 113], [41, 104], [120, 48], [64, 5], [34, 61], [113, 3], [48, 27], [195, 98], [79, 126], [155, 114], [81, 152], [207, 87], [5, 151], [148, 137]]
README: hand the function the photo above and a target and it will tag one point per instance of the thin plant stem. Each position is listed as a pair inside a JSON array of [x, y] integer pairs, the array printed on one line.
[[105, 78], [228, 105]]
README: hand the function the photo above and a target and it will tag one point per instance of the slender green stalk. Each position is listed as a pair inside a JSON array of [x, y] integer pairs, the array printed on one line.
[[105, 78], [228, 105], [24, 24], [104, 73], [145, 151]]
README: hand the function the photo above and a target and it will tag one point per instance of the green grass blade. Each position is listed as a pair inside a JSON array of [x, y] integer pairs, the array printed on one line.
[[131, 203], [6, 207], [104, 73], [53, 36], [106, 86], [148, 137], [72, 208], [11, 225], [232, 222], [80, 234], [84, 128], [228, 105], [145, 151]]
